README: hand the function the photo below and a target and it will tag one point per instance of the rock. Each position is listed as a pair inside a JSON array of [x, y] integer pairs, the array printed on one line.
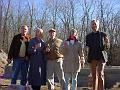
[[3, 62], [18, 87]]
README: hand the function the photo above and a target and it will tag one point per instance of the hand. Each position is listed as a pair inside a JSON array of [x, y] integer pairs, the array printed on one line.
[[26, 58], [37, 46], [24, 39], [47, 49], [82, 64], [106, 43], [9, 61], [65, 44]]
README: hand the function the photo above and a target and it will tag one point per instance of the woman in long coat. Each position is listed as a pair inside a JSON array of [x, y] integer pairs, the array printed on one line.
[[37, 69], [73, 59]]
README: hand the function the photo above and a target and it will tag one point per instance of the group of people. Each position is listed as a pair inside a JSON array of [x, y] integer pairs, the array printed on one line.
[[38, 61]]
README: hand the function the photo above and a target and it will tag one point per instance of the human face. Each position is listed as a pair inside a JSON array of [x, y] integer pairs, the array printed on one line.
[[24, 30], [73, 33], [39, 34], [94, 26], [52, 34]]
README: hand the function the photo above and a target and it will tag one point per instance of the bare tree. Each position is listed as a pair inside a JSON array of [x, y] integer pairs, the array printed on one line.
[[61, 15], [53, 10], [1, 2], [5, 29], [67, 15], [31, 13], [85, 21], [42, 19]]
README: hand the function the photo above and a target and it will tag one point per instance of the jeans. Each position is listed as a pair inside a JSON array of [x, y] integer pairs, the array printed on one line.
[[20, 65], [73, 78]]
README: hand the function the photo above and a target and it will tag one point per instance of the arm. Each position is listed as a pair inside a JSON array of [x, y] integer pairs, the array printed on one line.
[[81, 54], [63, 48], [11, 50], [10, 53], [46, 48], [31, 47], [87, 41], [106, 42], [27, 44]]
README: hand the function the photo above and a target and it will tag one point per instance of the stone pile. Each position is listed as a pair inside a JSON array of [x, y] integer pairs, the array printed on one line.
[[3, 63], [116, 86]]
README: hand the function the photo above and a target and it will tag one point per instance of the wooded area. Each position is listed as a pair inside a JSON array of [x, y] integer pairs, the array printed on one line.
[[59, 14]]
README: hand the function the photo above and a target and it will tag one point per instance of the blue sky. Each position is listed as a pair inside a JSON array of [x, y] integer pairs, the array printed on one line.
[[41, 3], [114, 3]]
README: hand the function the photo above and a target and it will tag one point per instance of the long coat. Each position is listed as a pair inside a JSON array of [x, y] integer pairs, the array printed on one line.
[[72, 57], [37, 69]]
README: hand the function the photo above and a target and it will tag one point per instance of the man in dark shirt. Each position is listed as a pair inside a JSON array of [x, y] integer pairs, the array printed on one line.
[[18, 53], [97, 42]]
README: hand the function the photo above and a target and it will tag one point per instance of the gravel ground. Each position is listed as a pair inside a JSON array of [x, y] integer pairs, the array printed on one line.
[[57, 86]]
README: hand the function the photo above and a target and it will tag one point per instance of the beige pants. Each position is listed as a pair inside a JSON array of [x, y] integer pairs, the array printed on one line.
[[55, 67], [97, 70]]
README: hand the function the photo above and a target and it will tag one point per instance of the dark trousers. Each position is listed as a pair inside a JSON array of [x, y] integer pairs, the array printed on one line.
[[36, 87]]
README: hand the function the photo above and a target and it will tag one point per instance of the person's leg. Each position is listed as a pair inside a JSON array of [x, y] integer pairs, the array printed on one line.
[[34, 87], [94, 76], [24, 72], [16, 70], [67, 81], [50, 74], [74, 81], [60, 73], [100, 71]]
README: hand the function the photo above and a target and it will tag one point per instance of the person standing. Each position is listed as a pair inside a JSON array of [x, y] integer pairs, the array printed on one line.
[[73, 59], [97, 43], [18, 53], [37, 69], [54, 60]]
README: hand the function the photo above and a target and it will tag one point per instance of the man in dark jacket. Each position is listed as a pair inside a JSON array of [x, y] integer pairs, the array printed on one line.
[[18, 53], [97, 43]]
